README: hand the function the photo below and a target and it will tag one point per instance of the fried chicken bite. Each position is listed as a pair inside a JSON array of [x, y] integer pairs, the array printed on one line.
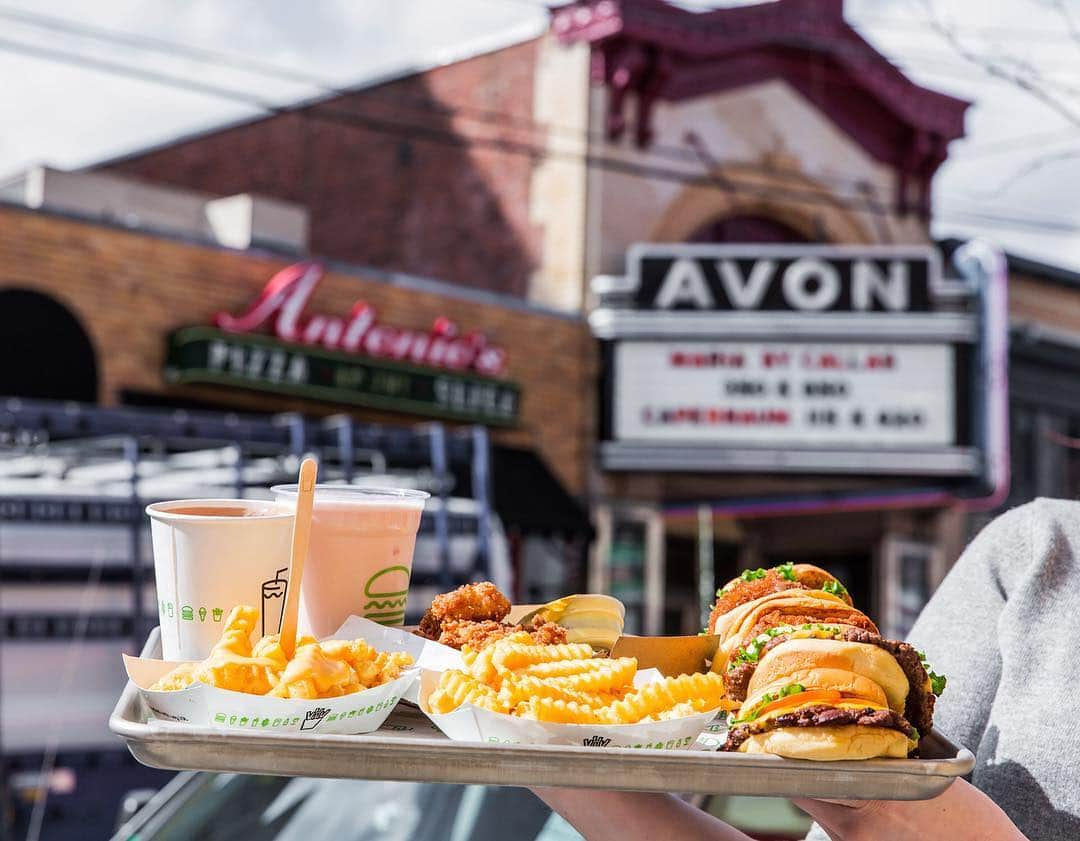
[[547, 633], [458, 633], [480, 602]]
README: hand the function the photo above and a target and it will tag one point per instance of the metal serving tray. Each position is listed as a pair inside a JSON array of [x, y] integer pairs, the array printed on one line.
[[409, 747]]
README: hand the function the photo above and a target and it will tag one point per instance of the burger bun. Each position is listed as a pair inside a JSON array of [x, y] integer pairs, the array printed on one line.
[[833, 664], [848, 741]]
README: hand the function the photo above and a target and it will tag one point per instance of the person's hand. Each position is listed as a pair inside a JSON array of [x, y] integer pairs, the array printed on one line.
[[641, 816], [962, 812]]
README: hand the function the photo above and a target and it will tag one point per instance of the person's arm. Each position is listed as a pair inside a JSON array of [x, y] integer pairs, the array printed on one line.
[[958, 628], [962, 813], [958, 631], [635, 816]]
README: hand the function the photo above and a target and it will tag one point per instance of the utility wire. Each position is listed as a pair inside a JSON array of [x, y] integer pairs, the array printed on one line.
[[324, 113], [1010, 222], [63, 698], [320, 110], [1028, 33], [327, 113], [681, 154], [1031, 82], [1010, 144], [206, 56]]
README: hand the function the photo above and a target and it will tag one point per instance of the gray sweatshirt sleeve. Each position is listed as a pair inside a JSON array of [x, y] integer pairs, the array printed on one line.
[[958, 629]]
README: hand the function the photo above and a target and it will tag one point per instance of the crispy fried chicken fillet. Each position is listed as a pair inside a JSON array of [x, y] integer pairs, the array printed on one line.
[[754, 583], [791, 607], [478, 602]]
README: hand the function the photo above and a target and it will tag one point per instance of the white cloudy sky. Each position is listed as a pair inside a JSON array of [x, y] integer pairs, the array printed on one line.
[[1012, 179]]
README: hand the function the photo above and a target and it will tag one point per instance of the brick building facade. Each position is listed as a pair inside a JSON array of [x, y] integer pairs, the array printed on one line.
[[128, 290], [385, 173], [533, 168]]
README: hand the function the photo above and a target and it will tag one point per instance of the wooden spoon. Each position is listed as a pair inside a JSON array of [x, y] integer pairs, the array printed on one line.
[[305, 500]]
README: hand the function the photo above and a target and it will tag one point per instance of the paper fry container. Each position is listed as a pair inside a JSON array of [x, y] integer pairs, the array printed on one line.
[[359, 712], [670, 655], [209, 706], [473, 724]]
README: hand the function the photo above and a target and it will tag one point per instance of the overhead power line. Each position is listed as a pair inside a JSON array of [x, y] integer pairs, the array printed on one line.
[[400, 100], [1028, 142], [995, 220], [410, 131], [205, 56], [1020, 75], [323, 111], [684, 154], [1026, 33]]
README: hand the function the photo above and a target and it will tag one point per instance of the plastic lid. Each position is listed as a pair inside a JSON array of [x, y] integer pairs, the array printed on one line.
[[358, 495]]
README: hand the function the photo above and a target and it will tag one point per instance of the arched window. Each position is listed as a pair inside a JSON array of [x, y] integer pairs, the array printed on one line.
[[44, 351], [746, 229]]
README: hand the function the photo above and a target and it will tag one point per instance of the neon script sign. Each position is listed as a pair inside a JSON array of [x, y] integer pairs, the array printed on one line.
[[282, 302]]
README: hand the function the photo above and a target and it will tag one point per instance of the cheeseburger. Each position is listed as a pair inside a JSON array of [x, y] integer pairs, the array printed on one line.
[[896, 667], [813, 677]]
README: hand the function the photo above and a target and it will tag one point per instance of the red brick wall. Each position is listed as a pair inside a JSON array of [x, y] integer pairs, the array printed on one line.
[[386, 174], [128, 290]]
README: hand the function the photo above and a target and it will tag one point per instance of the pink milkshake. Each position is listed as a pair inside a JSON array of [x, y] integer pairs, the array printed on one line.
[[360, 556]]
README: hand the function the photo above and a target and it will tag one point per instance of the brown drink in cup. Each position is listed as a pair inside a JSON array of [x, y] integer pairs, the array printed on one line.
[[209, 556]]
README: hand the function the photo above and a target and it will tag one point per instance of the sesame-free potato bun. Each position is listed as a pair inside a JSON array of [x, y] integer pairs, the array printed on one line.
[[850, 741], [834, 664]]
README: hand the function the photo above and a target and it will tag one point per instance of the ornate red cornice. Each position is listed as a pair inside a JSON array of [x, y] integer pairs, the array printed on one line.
[[656, 51]]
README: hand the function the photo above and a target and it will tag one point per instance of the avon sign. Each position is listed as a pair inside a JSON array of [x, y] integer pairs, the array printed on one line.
[[282, 302]]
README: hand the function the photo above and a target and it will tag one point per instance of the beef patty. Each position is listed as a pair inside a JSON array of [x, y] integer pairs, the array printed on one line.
[[819, 715]]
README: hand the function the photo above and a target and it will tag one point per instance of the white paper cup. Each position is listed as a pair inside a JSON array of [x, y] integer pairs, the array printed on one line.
[[205, 565], [360, 556]]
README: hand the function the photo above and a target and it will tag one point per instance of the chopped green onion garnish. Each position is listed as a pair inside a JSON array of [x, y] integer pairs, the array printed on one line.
[[787, 571], [835, 588], [768, 698], [752, 574], [937, 682]]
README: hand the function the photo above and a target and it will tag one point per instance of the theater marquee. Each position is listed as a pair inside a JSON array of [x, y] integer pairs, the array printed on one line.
[[789, 359]]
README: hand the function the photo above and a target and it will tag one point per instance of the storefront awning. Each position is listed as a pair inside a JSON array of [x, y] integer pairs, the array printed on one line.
[[530, 499]]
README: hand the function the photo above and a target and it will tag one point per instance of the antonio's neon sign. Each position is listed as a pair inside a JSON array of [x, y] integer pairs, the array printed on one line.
[[282, 302]]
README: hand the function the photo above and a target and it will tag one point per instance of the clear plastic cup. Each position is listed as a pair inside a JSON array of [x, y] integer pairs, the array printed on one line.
[[360, 556]]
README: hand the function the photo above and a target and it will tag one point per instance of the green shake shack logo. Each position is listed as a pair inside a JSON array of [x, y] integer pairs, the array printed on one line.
[[386, 591]]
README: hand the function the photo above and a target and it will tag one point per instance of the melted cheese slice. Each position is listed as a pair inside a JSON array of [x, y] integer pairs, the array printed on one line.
[[797, 702]]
